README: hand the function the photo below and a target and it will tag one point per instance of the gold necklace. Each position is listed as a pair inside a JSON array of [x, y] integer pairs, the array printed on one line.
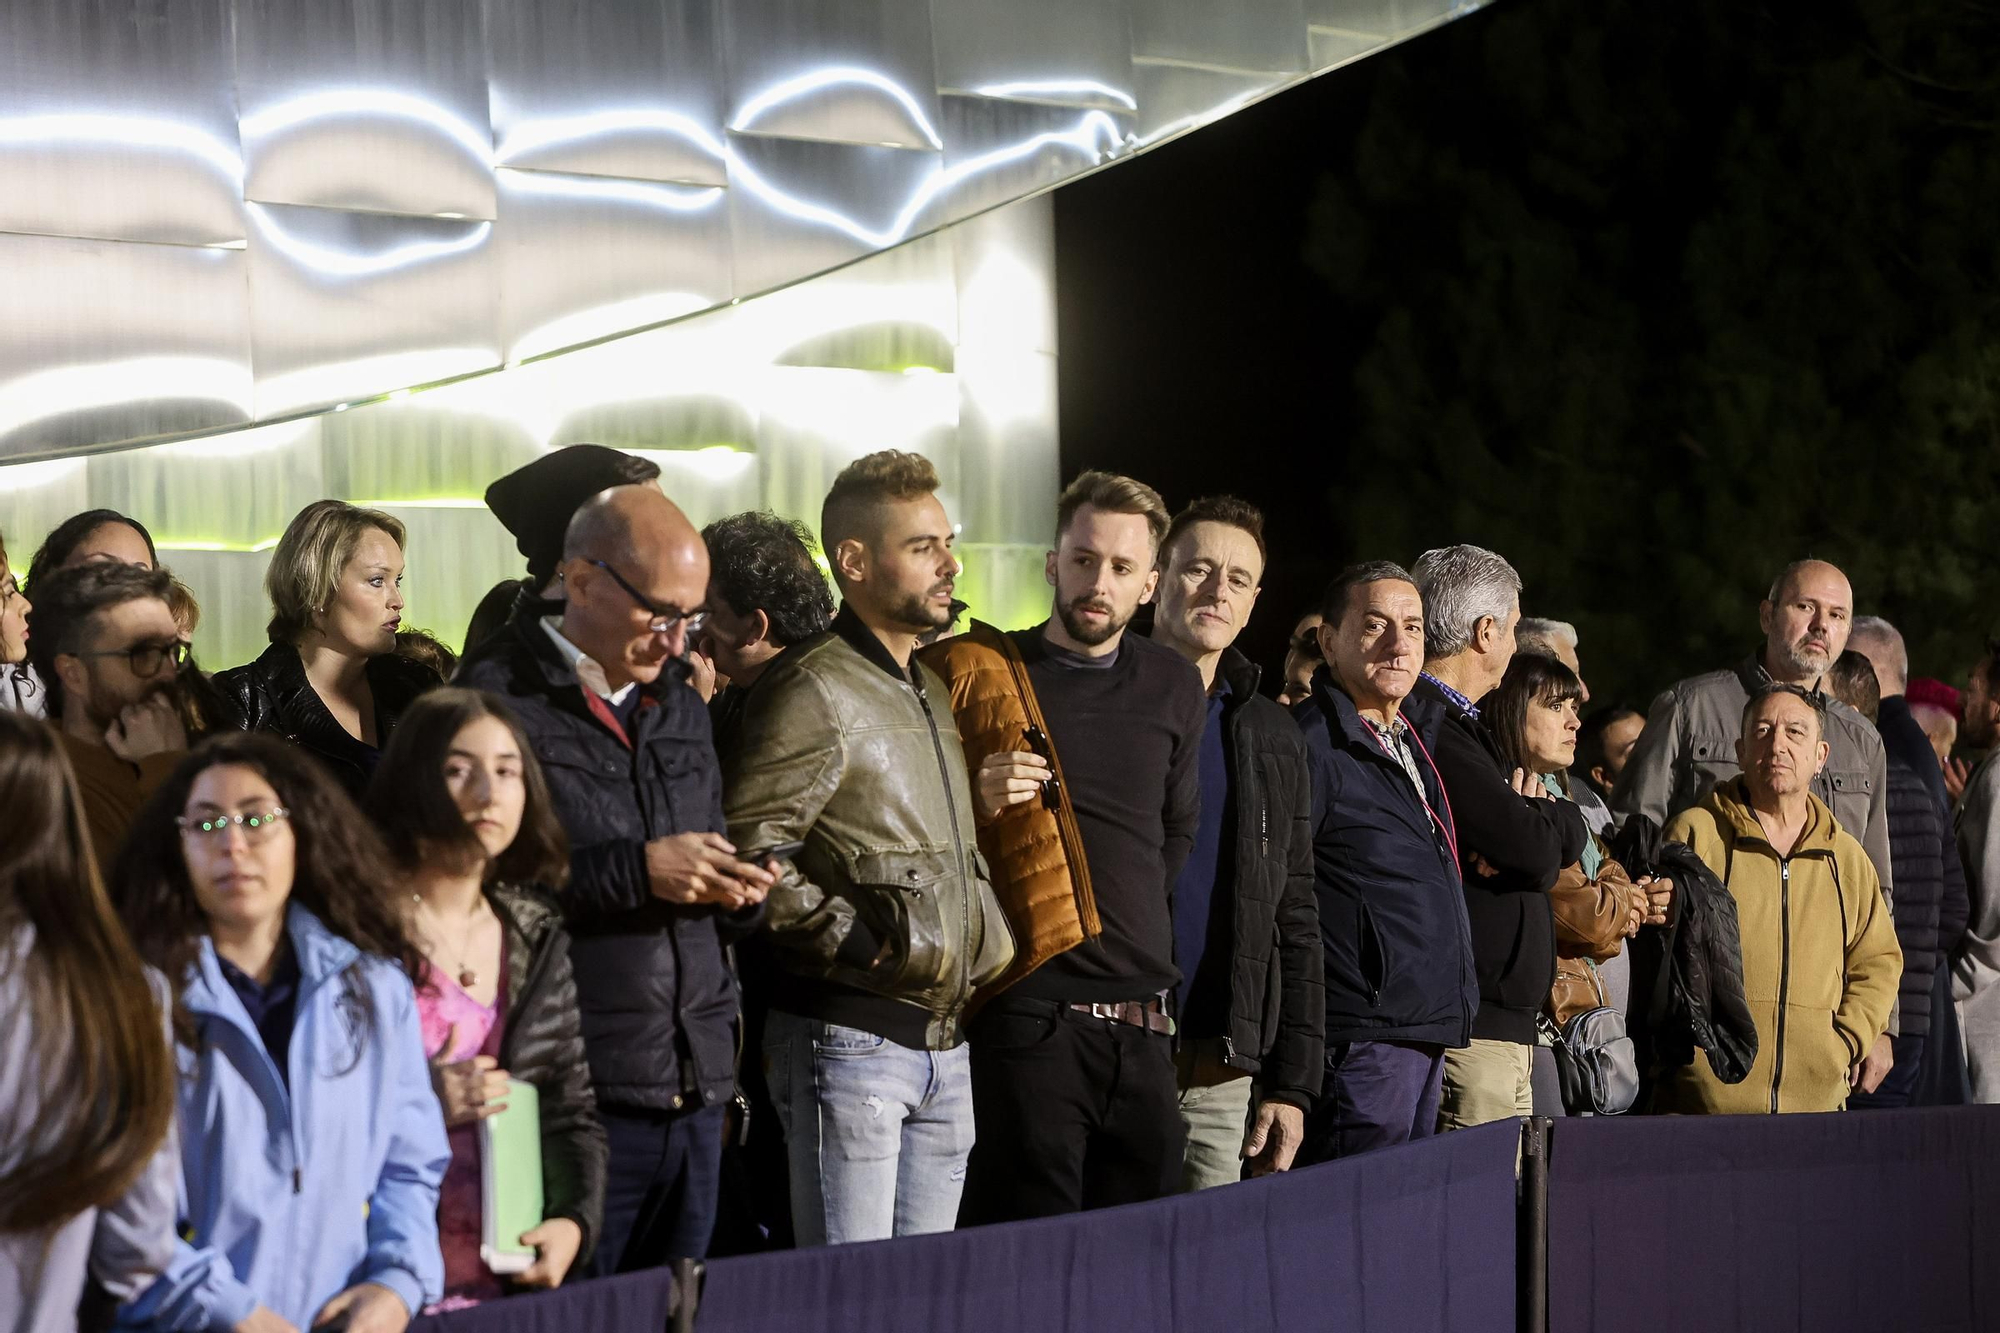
[[467, 977]]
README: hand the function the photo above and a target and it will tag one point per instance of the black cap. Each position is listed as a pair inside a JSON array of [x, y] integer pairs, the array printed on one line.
[[536, 502]]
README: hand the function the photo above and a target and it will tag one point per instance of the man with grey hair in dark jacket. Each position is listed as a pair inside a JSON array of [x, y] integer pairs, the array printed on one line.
[[1513, 839]]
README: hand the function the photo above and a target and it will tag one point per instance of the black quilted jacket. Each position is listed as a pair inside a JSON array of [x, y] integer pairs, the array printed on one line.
[[1930, 889], [1687, 976]]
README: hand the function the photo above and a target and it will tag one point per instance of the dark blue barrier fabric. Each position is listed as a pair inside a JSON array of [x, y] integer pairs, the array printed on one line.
[[1877, 1220], [635, 1303], [1406, 1240]]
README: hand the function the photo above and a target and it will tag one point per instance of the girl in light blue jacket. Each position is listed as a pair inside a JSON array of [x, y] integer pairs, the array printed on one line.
[[311, 1143]]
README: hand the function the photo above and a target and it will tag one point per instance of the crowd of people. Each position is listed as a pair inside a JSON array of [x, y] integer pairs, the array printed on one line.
[[816, 914]]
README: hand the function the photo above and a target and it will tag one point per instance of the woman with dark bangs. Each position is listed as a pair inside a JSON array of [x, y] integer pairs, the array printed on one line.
[[87, 1161], [311, 1142], [1533, 717], [466, 813]]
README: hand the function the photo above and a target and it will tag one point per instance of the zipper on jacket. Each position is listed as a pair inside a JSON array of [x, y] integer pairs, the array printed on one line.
[[1071, 840], [1784, 971], [298, 1181], [957, 838]]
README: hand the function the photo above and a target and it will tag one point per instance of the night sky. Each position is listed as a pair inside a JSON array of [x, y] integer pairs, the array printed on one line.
[[1197, 351], [1650, 299]]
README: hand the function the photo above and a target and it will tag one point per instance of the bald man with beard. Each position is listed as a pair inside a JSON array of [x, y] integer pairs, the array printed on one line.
[[600, 683], [1688, 748]]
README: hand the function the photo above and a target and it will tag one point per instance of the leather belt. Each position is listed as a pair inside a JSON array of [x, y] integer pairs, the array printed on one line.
[[1148, 1014]]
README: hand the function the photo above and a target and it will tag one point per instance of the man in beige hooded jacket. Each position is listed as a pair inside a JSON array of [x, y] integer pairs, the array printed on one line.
[[1820, 958]]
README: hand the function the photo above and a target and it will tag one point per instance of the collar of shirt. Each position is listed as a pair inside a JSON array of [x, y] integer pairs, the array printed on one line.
[[260, 1000], [588, 673], [1453, 697]]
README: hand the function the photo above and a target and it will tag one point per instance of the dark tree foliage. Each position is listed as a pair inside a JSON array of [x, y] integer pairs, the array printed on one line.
[[1654, 298]]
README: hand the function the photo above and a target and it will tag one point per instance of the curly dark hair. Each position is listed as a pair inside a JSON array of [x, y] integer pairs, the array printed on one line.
[[760, 562], [342, 872], [419, 820]]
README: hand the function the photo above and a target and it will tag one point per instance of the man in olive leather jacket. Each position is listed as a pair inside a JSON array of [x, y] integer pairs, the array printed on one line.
[[885, 921]]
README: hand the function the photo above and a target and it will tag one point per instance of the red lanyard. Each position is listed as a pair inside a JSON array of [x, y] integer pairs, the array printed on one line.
[[1448, 829]]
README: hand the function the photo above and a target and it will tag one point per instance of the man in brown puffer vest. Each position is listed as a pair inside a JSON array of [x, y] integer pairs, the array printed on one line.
[[1084, 742]]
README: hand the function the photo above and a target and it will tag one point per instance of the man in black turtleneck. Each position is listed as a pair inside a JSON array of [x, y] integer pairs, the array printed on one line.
[[1073, 1081]]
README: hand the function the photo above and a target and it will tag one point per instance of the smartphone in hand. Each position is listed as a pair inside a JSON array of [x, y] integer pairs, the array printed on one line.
[[778, 851]]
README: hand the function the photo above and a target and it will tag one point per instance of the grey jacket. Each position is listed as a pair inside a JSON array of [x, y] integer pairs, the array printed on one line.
[[1975, 972], [1689, 748], [122, 1248]]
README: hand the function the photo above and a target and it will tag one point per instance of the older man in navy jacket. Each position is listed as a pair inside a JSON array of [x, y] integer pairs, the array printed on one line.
[[1400, 988], [655, 890]]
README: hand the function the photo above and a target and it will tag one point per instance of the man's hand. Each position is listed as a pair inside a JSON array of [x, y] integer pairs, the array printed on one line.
[[700, 868], [1956, 774], [1482, 867], [556, 1242], [701, 674], [264, 1320], [1637, 906], [151, 726], [1867, 1075], [1273, 1141], [1659, 899], [368, 1307], [1007, 779]]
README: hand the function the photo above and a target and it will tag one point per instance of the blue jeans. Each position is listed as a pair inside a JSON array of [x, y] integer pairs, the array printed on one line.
[[877, 1133]]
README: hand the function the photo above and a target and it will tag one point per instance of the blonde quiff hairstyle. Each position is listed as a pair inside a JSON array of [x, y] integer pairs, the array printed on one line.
[[305, 569], [1114, 495]]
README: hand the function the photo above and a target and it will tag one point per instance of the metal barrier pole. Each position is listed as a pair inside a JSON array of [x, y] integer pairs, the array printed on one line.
[[1532, 1238], [687, 1294]]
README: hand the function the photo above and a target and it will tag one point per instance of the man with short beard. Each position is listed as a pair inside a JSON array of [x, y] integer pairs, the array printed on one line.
[[1688, 748], [103, 636], [1085, 742], [1689, 745], [883, 922]]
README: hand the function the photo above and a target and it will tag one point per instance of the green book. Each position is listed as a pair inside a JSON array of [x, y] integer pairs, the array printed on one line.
[[510, 1179]]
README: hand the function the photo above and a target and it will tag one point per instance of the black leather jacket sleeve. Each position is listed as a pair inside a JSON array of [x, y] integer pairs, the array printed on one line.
[[1527, 840]]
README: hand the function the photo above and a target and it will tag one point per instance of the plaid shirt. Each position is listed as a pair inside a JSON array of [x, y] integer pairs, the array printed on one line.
[[1457, 700], [1397, 742]]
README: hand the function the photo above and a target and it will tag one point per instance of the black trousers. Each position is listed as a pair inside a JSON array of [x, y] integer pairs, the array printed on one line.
[[1071, 1112], [660, 1191]]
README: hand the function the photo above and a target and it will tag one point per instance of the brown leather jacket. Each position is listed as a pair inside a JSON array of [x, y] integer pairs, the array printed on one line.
[[1036, 854], [840, 751], [1590, 927]]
